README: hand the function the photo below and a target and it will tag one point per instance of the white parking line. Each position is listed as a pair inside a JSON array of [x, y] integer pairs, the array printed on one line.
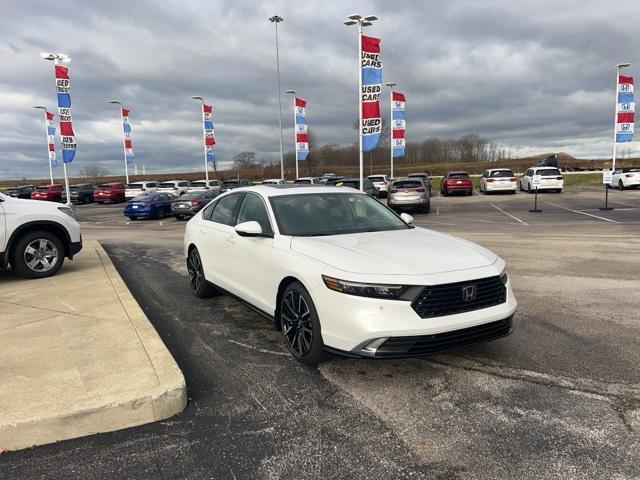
[[581, 213], [508, 214], [625, 204]]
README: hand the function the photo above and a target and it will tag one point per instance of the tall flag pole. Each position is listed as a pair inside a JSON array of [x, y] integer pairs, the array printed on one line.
[[301, 130], [209, 139], [398, 126], [625, 112], [126, 141], [51, 142], [370, 90], [67, 136]]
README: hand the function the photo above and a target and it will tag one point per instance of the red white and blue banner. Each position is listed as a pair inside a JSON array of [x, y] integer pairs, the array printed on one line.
[[371, 71], [51, 138], [398, 123], [625, 109], [126, 136], [208, 132], [67, 137], [302, 132]]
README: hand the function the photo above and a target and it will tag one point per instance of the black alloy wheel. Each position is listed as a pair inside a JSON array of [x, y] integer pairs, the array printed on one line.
[[300, 325], [199, 285], [620, 185]]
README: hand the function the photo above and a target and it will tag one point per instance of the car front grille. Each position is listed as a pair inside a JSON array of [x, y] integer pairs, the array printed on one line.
[[430, 344], [452, 298]]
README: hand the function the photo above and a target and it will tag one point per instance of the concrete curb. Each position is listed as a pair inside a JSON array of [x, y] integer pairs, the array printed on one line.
[[97, 414]]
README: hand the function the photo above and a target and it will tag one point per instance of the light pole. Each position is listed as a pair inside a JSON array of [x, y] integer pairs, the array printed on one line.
[[361, 21], [56, 58], [44, 112], [295, 144], [124, 147], [204, 140], [391, 85], [276, 19]]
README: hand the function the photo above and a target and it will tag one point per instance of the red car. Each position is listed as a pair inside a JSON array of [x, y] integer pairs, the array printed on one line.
[[456, 182], [51, 193], [109, 192]]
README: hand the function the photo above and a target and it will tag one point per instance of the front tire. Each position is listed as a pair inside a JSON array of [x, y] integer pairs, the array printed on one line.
[[37, 254], [620, 185], [160, 214], [300, 325], [199, 285]]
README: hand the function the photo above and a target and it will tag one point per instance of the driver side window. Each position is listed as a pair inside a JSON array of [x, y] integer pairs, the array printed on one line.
[[253, 209]]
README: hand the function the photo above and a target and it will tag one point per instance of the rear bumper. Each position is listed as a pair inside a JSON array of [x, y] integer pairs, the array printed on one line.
[[500, 187], [143, 212]]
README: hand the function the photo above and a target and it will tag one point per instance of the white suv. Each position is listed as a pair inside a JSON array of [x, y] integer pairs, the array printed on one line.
[[36, 236], [550, 179], [138, 188], [177, 187]]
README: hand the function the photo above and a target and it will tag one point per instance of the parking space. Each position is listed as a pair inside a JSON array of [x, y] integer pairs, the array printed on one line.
[[559, 398]]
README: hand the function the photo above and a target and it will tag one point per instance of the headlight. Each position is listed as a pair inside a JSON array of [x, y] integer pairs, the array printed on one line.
[[372, 290], [68, 211]]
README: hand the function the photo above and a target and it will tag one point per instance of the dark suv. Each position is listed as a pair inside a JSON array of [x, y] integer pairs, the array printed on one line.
[[80, 193], [21, 191]]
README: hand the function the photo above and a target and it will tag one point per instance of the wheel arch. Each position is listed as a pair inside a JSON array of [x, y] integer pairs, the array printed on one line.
[[40, 225]]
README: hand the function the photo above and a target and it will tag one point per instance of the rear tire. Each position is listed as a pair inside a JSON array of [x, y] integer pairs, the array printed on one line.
[[300, 325], [160, 214], [620, 185], [37, 254], [133, 218], [199, 285]]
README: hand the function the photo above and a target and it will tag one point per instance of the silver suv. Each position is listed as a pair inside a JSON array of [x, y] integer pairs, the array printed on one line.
[[409, 193]]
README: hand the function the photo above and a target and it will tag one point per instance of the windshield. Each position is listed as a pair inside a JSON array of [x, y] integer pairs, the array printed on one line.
[[549, 172], [167, 185], [318, 214], [500, 173], [459, 175]]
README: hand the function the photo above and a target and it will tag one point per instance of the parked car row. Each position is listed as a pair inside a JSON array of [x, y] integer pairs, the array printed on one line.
[[159, 204]]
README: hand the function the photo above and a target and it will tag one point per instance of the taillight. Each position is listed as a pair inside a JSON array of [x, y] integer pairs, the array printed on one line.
[[489, 180], [559, 178], [513, 179], [195, 203], [628, 175], [393, 190], [420, 190]]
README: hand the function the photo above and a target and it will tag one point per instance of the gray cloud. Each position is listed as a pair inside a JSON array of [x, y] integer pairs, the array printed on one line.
[[535, 74]]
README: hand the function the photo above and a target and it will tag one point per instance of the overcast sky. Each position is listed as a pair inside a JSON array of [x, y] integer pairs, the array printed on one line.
[[537, 75]]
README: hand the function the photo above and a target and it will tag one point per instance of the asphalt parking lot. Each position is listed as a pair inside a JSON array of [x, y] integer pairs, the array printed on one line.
[[559, 398]]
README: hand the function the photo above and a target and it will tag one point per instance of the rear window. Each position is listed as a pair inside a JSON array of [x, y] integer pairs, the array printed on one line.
[[500, 173], [302, 181], [377, 179], [135, 186], [417, 175], [198, 184], [104, 185], [167, 185], [549, 172], [42, 189], [407, 184], [633, 170], [190, 196], [459, 175]]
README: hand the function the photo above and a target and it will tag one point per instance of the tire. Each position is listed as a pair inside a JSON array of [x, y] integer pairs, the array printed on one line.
[[512, 192], [160, 214], [445, 193], [620, 185], [199, 285], [469, 193], [300, 325], [559, 190], [179, 217], [427, 208], [25, 255], [133, 218]]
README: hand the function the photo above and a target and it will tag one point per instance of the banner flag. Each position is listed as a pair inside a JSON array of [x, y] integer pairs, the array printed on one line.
[[371, 71], [126, 132], [625, 109], [67, 137], [51, 138], [208, 132], [398, 124], [302, 133]]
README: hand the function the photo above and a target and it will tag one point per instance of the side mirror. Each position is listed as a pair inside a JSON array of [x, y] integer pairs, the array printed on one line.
[[249, 229], [408, 219]]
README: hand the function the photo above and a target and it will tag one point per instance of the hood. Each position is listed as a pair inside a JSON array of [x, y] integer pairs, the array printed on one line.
[[36, 204], [398, 252]]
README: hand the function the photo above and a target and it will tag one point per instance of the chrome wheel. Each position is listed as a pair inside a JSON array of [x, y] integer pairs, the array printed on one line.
[[41, 255], [297, 327]]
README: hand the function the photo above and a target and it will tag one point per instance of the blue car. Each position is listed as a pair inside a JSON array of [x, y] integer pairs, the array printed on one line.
[[149, 205]]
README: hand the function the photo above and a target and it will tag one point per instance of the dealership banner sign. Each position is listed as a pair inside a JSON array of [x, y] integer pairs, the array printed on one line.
[[208, 132], [51, 138], [371, 72], [398, 124], [67, 137], [302, 133], [126, 136], [625, 109]]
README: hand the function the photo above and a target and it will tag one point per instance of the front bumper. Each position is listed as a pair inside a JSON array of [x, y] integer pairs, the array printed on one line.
[[350, 323], [74, 248]]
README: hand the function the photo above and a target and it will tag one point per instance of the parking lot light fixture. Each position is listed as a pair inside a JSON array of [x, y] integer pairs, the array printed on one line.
[[356, 19], [58, 58]]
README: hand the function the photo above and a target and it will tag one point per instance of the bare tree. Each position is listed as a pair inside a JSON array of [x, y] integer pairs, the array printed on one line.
[[93, 171]]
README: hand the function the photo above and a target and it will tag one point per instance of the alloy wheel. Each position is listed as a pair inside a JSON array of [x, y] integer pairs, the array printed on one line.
[[296, 323], [41, 255], [194, 267]]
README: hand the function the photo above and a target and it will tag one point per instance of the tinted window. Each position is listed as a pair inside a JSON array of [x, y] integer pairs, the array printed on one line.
[[349, 183], [377, 179], [183, 184], [135, 186], [458, 175], [224, 210], [253, 209], [408, 184], [549, 172], [501, 173], [167, 185], [303, 181]]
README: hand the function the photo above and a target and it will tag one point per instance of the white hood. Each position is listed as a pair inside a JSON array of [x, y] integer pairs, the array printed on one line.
[[417, 251]]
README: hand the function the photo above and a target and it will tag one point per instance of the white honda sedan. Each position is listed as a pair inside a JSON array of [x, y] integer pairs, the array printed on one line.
[[337, 271]]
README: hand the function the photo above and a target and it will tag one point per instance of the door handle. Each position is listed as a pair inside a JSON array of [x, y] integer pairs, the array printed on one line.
[[230, 239], [203, 231]]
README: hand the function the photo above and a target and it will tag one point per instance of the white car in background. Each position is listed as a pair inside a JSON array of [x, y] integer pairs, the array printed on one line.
[[626, 177], [177, 187], [36, 236], [338, 271], [138, 188], [498, 180], [202, 186], [550, 179], [307, 181], [274, 181], [381, 182]]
